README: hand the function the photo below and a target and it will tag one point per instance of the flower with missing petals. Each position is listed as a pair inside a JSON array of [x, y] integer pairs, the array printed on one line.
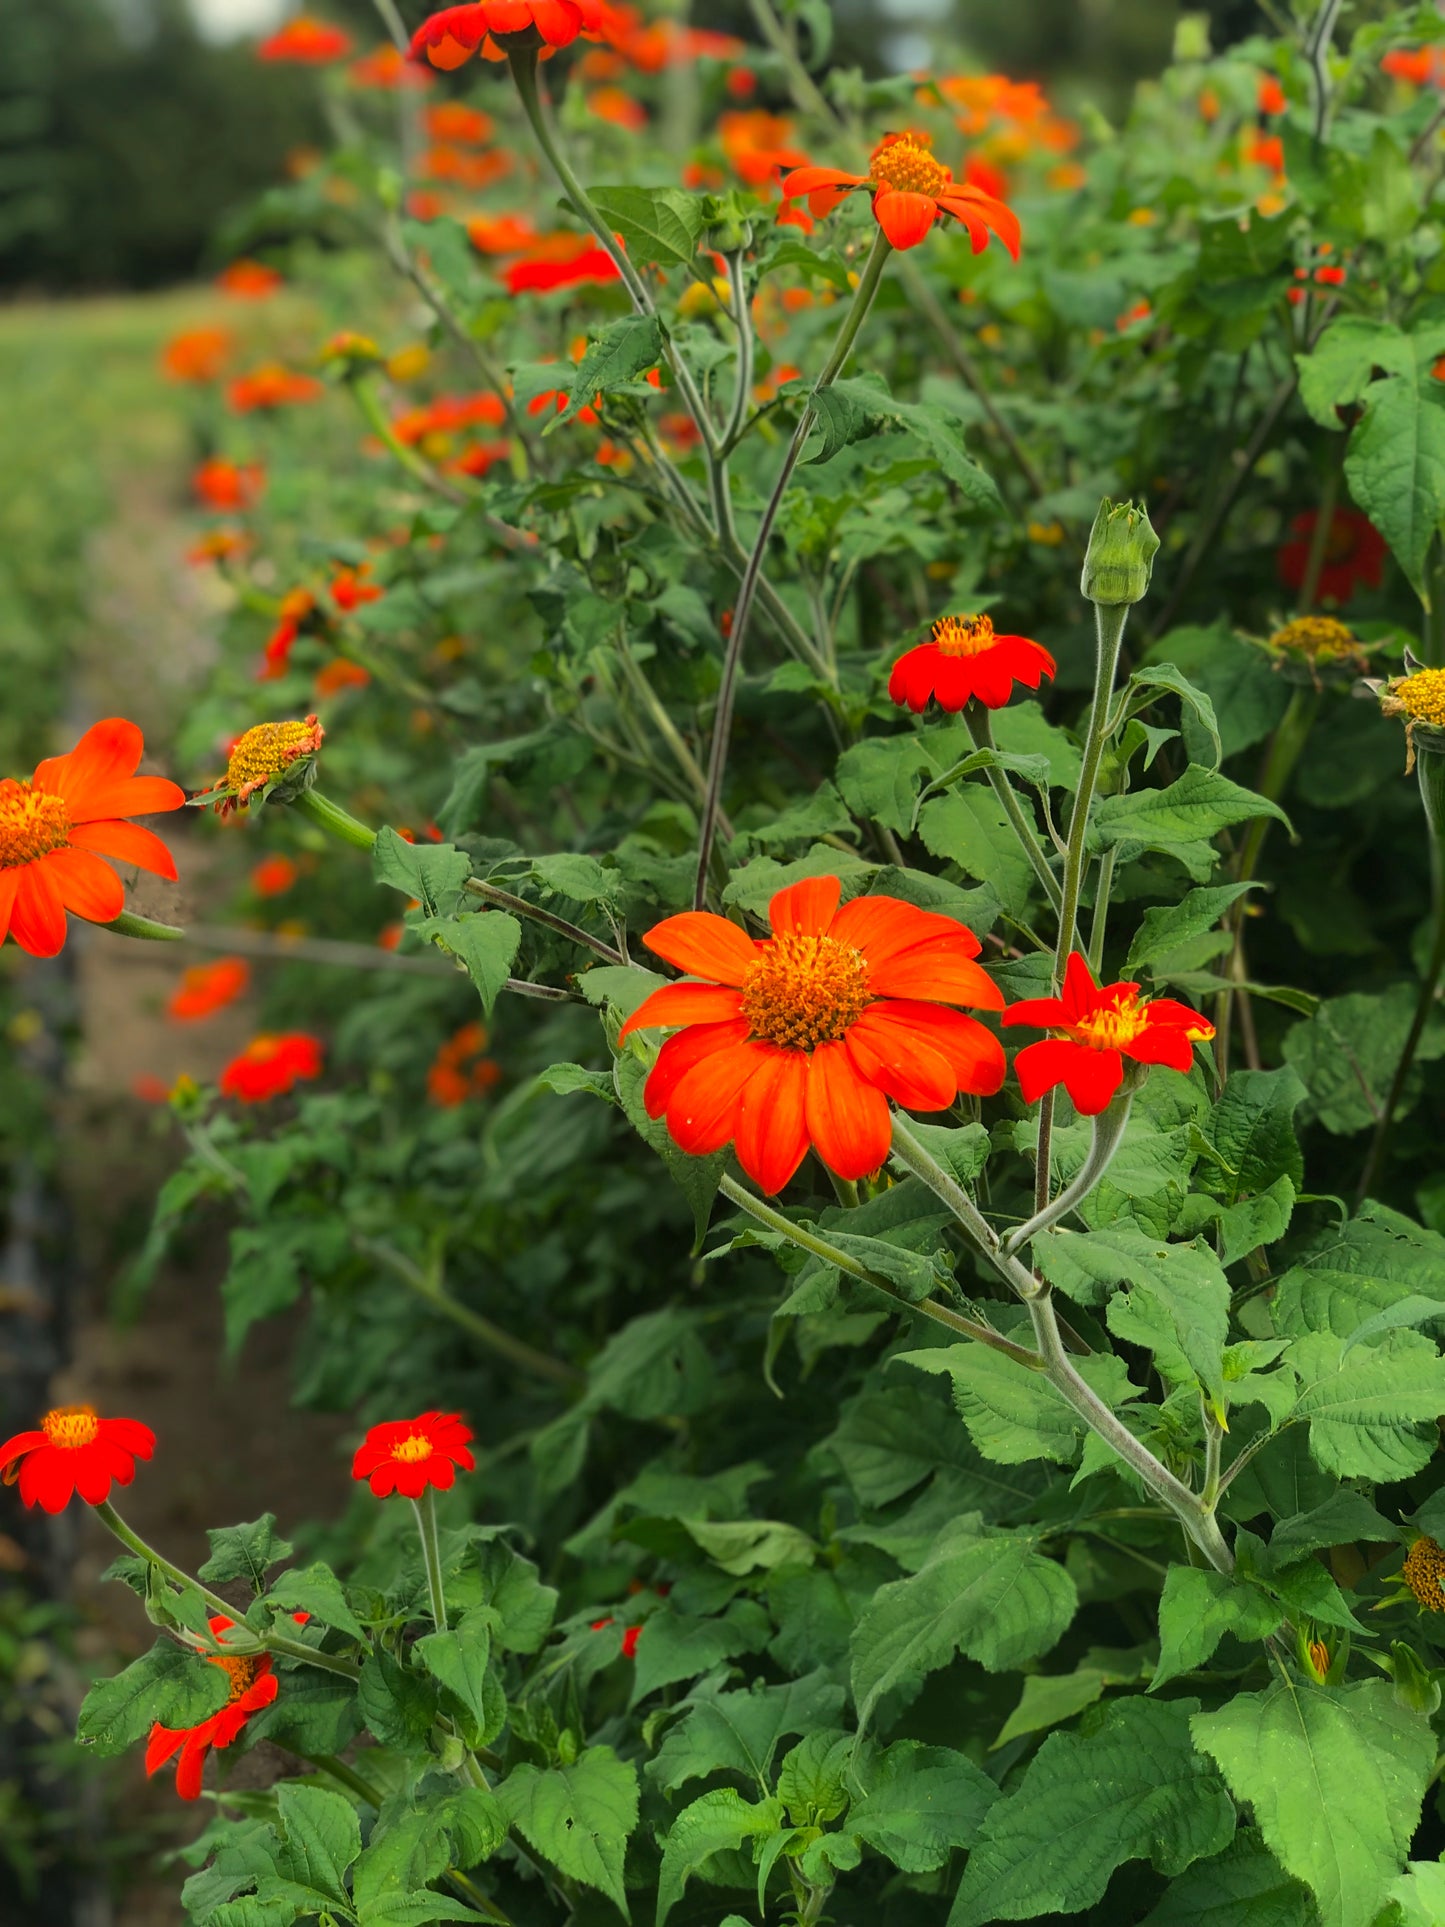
[[910, 191]]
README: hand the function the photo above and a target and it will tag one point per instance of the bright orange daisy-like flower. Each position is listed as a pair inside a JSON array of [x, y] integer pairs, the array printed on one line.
[[407, 1455], [387, 69], [249, 280], [965, 658], [307, 41], [453, 120], [273, 876], [582, 263], [1100, 1028], [207, 988], [253, 1686], [55, 828], [271, 1065], [228, 486], [198, 354], [910, 190], [456, 33], [74, 1451], [801, 1039]]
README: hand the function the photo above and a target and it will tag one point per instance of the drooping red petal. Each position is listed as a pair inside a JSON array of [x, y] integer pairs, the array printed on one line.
[[883, 927], [681, 1053], [900, 1061], [191, 1767], [704, 946], [904, 218], [47, 1479], [17, 1447], [37, 916], [805, 909], [87, 886], [1039, 1067], [9, 884], [913, 676], [162, 1744], [972, 206], [771, 1139], [1028, 661], [702, 1114], [127, 843], [557, 22], [678, 1004], [847, 1114], [1163, 1044], [1168, 1010], [1044, 1013], [940, 973], [1091, 1079]]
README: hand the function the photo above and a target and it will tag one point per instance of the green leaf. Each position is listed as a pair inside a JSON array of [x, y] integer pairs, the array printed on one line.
[[994, 1597], [485, 941], [1395, 467], [813, 1778], [244, 1552], [1013, 1414], [969, 827], [1371, 1416], [398, 1705], [314, 1713], [433, 873], [920, 1802], [1165, 675], [1420, 1894], [1347, 1052], [525, 1608], [582, 878], [578, 1817], [458, 1659], [409, 1850], [723, 1731], [1364, 1266], [889, 1442], [1179, 820], [1049, 1699], [1197, 1609], [165, 1685], [660, 225], [880, 779], [1344, 1516], [680, 1646], [1251, 1132], [317, 1590], [1130, 1789], [752, 1545], [1336, 1776], [621, 351], [1167, 929], [1242, 1887], [624, 986], [1344, 361], [321, 1836], [717, 1823]]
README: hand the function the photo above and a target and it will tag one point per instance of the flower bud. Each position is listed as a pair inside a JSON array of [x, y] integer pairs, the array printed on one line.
[[1120, 557], [1416, 1686]]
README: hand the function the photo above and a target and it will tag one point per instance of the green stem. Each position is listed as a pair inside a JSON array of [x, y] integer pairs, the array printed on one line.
[[1103, 888], [914, 1157], [426, 1525], [348, 1777], [515, 1350], [127, 924], [980, 727], [1213, 1455], [1320, 536], [333, 819], [504, 900], [375, 416], [742, 612], [1109, 1127]]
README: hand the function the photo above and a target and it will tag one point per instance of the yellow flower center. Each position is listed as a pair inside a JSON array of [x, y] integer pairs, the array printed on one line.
[[903, 162], [32, 823], [1114, 1028], [413, 1449], [1424, 1573], [805, 991], [1316, 636], [1422, 695], [70, 1426], [963, 635], [264, 752], [241, 1670]]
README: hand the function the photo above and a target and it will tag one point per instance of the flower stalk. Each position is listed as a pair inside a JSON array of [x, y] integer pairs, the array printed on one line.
[[980, 727], [426, 1525], [1109, 1127]]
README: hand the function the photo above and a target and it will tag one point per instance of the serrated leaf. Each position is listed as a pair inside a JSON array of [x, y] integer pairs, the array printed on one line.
[[682, 1646], [622, 350], [165, 1685], [920, 1803], [1180, 820], [1395, 467], [1336, 1776], [1049, 1699], [722, 1731], [1364, 1266], [320, 1835], [752, 1545], [1166, 676], [660, 225], [717, 1823], [1244, 1886], [486, 941], [459, 1657], [399, 1705], [1012, 1412], [1166, 929], [1197, 1608], [317, 1590], [433, 873], [244, 1552], [1371, 1415], [578, 1817]]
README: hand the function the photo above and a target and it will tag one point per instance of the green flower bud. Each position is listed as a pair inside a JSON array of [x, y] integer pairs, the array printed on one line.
[[1120, 557], [1417, 1686]]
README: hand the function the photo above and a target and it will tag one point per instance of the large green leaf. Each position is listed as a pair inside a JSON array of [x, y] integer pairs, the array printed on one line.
[[919, 1803], [1395, 466], [1358, 1269], [1372, 1412], [619, 353], [578, 1817], [1133, 1788], [1347, 1051], [660, 225], [1179, 820], [1013, 1414], [738, 1731], [166, 1684], [1335, 1775], [1244, 1886], [1197, 1608], [718, 1822]]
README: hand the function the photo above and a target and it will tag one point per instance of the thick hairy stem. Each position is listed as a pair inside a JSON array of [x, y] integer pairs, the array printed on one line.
[[1110, 618], [742, 612], [980, 727], [742, 316], [426, 1524], [334, 820], [913, 1156], [1109, 1129]]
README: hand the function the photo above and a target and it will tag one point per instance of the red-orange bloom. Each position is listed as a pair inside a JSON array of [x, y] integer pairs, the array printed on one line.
[[217, 545], [1355, 554], [271, 386], [1271, 98], [273, 876], [758, 146], [617, 106], [271, 1065], [198, 354], [409, 1454], [311, 42], [802, 1038], [456, 33], [584, 264], [446, 415], [55, 828], [1101, 1027], [207, 988], [1266, 150], [502, 234], [453, 120], [74, 1451], [910, 190], [249, 280], [228, 486], [253, 1685], [459, 1070], [965, 658], [338, 674], [1420, 66], [388, 69], [349, 588]]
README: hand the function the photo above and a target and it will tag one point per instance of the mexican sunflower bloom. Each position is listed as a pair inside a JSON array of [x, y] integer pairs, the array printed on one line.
[[253, 1686], [249, 280], [271, 1065], [1099, 1028], [74, 1451], [407, 1455], [452, 36], [55, 828], [1354, 554], [307, 41], [910, 190], [197, 354], [206, 988], [801, 1039], [227, 487], [964, 658]]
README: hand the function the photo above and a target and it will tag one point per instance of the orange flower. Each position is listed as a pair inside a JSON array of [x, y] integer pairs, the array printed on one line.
[[585, 264], [207, 988], [297, 608], [617, 106], [423, 205], [557, 398], [74, 1451], [758, 146], [306, 41], [965, 658], [465, 169], [55, 829], [227, 486], [199, 354], [459, 1070], [910, 190], [349, 588], [387, 69], [504, 234], [271, 1065], [338, 674], [249, 280], [447, 414], [1271, 98], [273, 876], [1266, 150], [453, 120], [271, 386], [407, 1455], [802, 1038], [253, 1686], [456, 33], [218, 545], [1101, 1027], [1420, 66]]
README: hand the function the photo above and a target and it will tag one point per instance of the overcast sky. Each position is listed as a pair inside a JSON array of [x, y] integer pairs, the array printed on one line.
[[225, 18]]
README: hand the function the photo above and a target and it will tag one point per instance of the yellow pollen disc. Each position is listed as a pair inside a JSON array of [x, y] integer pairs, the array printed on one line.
[[413, 1450], [265, 751], [1422, 695], [70, 1426], [805, 991], [1316, 636], [242, 1672], [1424, 1574], [32, 823], [1112, 1029], [963, 635], [904, 162]]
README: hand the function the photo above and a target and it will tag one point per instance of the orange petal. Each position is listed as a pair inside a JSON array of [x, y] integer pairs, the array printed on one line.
[[805, 909], [9, 884], [127, 843], [771, 1139], [37, 917], [848, 1117], [939, 973], [810, 180], [685, 1052], [1081, 993], [678, 1004], [87, 886], [973, 1053], [129, 796], [107, 752], [902, 1062], [881, 927], [704, 946], [702, 1114], [904, 218]]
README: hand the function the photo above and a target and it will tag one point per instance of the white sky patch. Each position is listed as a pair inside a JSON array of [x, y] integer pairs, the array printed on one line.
[[228, 19]]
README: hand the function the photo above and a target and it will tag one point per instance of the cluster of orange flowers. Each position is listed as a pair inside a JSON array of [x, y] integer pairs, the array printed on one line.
[[461, 1069]]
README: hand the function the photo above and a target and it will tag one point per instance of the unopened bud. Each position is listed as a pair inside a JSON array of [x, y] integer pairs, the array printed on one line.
[[1120, 557], [1416, 1685]]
